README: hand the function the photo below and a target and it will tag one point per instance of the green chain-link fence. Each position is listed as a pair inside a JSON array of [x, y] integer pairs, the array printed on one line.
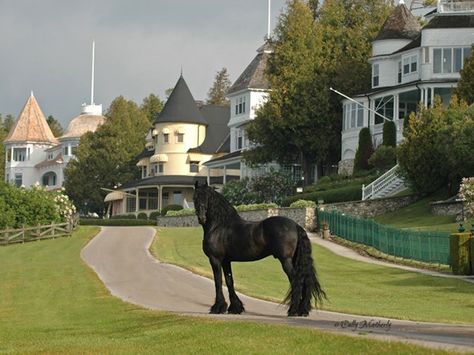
[[431, 247]]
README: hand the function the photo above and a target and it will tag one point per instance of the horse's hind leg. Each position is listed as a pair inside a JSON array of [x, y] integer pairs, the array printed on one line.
[[236, 305], [294, 294], [220, 306]]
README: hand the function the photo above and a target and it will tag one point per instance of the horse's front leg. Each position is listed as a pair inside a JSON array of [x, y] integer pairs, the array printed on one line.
[[220, 306], [236, 305]]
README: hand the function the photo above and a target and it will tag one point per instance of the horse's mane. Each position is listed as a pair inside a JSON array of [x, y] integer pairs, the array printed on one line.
[[220, 209]]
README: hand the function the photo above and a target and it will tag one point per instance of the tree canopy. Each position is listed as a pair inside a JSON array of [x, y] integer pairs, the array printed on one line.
[[218, 90], [465, 89], [438, 146], [55, 126], [151, 107], [316, 46], [106, 158]]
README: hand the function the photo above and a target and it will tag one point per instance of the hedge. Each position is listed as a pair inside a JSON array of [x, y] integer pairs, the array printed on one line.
[[343, 194], [257, 206], [124, 216], [183, 212], [142, 215], [171, 207], [116, 222]]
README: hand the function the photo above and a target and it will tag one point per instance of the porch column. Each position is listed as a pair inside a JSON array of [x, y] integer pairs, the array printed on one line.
[[160, 198], [396, 107], [224, 181], [137, 200], [208, 175], [432, 96]]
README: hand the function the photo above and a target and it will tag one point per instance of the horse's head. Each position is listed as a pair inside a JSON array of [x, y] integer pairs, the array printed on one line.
[[201, 201]]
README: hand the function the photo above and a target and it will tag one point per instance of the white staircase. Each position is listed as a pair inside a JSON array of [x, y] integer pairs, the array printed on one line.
[[386, 185]]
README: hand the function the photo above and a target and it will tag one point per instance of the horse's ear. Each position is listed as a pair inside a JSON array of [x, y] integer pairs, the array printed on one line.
[[196, 184]]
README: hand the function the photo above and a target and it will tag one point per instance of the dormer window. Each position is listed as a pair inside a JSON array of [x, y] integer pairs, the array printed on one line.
[[240, 105], [375, 75], [193, 166], [19, 154], [179, 137], [50, 156]]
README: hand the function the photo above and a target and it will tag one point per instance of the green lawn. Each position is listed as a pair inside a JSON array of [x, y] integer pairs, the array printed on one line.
[[352, 286], [51, 302], [418, 216]]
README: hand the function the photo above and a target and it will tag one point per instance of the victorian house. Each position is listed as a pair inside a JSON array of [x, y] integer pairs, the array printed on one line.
[[185, 136], [410, 66], [34, 156]]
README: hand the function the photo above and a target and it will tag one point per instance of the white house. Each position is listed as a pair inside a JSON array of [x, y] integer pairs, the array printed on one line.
[[34, 155], [410, 65]]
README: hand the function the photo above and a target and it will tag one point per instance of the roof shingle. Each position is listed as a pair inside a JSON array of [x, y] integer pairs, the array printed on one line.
[[401, 24], [31, 125]]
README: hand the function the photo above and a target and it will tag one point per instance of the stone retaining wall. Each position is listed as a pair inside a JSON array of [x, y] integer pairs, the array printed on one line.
[[371, 208], [303, 216]]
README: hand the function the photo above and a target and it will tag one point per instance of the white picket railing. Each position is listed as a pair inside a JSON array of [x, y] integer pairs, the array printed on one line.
[[386, 185]]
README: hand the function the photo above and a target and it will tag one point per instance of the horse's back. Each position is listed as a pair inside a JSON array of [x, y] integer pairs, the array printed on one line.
[[281, 234]]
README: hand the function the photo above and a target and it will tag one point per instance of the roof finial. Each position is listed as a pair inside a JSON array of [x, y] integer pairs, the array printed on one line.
[[401, 2], [181, 74], [32, 93], [268, 19]]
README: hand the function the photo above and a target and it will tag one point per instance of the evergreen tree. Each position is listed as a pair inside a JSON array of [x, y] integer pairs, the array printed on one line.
[[364, 151], [221, 85], [55, 126], [389, 134], [465, 89], [8, 122], [316, 46], [106, 158], [151, 107]]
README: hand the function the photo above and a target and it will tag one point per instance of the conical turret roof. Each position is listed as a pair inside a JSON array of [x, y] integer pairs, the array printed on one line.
[[31, 125], [401, 24], [180, 106]]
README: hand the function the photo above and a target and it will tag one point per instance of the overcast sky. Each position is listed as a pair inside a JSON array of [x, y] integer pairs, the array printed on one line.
[[141, 45]]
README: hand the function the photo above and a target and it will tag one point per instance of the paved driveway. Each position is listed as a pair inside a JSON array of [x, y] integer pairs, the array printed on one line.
[[120, 257]]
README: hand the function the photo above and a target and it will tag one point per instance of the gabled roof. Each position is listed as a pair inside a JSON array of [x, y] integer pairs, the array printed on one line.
[[253, 77], [401, 24], [31, 125], [217, 132], [180, 106]]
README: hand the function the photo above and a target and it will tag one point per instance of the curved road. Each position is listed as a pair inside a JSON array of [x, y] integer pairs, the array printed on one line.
[[120, 257]]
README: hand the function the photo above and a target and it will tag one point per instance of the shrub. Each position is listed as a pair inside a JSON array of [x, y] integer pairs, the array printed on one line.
[[389, 134], [154, 215], [31, 207], [257, 206], [142, 215], [124, 216], [171, 207], [183, 212], [364, 150], [116, 222], [303, 204], [349, 193], [238, 192], [273, 186], [384, 158]]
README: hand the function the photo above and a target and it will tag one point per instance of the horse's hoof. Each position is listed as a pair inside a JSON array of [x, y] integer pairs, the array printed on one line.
[[236, 308], [218, 308], [303, 314]]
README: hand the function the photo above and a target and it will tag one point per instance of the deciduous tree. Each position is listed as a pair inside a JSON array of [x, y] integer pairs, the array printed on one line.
[[465, 89], [106, 158]]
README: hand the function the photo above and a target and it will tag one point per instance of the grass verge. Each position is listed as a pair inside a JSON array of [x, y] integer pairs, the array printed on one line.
[[51, 302], [352, 286]]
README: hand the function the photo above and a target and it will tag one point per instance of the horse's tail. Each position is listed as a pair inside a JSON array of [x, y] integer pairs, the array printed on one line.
[[305, 284]]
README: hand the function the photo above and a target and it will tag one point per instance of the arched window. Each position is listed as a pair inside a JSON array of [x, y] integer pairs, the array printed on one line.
[[49, 179]]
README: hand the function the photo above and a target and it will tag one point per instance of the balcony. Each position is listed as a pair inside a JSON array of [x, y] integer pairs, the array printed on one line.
[[454, 6]]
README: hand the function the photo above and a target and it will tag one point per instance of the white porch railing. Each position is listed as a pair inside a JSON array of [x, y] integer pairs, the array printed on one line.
[[455, 6], [386, 185]]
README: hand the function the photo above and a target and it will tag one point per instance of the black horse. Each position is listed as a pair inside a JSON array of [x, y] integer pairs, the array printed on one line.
[[227, 238]]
